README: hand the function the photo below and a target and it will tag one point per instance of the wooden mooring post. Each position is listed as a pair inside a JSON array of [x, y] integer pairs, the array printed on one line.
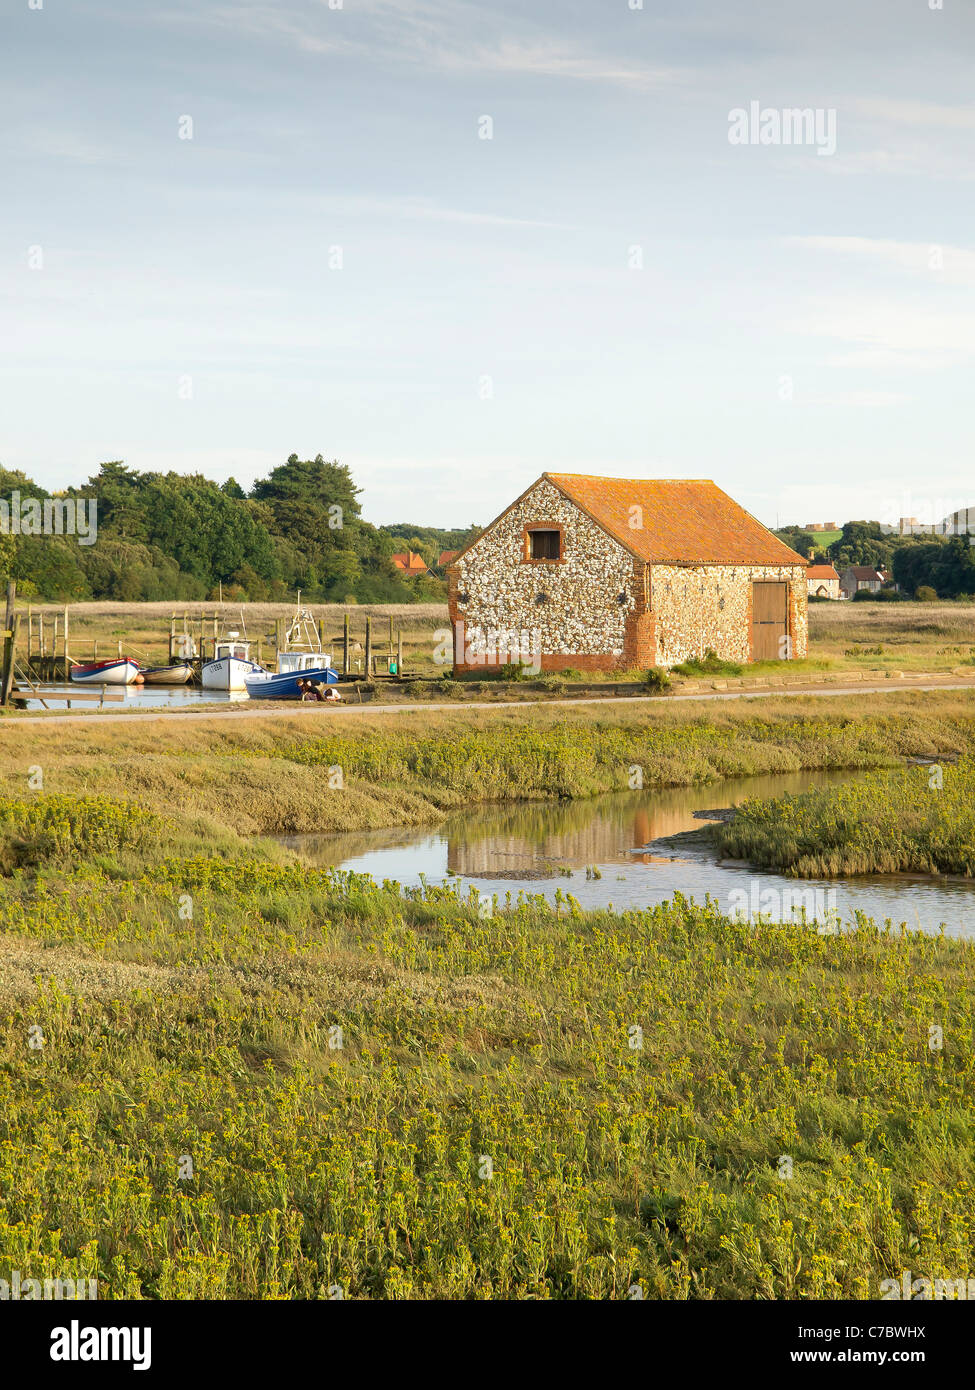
[[368, 653], [345, 647], [9, 639]]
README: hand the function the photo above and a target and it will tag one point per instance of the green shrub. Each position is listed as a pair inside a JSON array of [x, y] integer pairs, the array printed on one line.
[[710, 664], [657, 680]]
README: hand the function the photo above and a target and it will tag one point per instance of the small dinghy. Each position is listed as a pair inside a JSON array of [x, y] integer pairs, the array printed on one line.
[[119, 671], [168, 675]]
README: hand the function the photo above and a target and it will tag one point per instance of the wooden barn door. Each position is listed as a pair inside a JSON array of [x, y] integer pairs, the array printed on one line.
[[770, 620]]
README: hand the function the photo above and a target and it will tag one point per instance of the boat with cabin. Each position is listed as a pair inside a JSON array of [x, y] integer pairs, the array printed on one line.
[[230, 665], [302, 659]]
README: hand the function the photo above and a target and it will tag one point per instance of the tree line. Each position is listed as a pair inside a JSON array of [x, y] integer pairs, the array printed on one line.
[[172, 536], [945, 564]]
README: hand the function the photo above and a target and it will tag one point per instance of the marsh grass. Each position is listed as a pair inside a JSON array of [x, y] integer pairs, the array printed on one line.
[[272, 776], [463, 1037], [916, 820]]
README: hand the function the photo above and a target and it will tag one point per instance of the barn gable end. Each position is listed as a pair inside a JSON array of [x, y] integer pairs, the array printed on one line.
[[598, 592]]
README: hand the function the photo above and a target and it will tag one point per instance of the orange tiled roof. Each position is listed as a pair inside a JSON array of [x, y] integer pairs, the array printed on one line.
[[821, 572], [410, 562], [447, 557], [685, 522]]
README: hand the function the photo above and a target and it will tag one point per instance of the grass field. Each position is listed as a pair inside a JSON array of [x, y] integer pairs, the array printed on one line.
[[272, 776], [224, 1073]]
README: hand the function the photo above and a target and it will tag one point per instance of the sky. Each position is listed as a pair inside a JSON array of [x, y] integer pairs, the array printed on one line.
[[454, 244]]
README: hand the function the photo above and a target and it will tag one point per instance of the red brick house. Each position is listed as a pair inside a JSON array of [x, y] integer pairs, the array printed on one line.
[[613, 573], [410, 564]]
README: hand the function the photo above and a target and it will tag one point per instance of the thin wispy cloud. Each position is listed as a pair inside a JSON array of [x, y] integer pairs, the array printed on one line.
[[450, 38]]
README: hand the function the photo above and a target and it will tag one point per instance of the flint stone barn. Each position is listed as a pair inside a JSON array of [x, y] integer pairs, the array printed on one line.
[[611, 573]]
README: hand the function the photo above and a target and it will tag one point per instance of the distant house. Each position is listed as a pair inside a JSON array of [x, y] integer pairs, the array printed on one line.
[[447, 557], [822, 581], [960, 523], [604, 574], [410, 564], [857, 579]]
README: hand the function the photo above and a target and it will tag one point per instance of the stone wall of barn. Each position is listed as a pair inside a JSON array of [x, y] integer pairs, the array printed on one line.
[[710, 606], [598, 608], [587, 610]]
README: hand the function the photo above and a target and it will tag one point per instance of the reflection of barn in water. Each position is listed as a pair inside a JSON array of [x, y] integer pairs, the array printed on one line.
[[533, 841]]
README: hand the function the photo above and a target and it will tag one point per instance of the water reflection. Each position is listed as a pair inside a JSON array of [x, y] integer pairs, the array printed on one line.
[[551, 847], [79, 696]]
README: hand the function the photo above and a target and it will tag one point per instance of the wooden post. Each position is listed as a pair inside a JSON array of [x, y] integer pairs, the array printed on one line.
[[8, 679], [9, 637], [345, 647], [40, 635], [399, 655], [202, 621], [30, 634], [172, 636], [368, 647], [321, 634], [67, 654]]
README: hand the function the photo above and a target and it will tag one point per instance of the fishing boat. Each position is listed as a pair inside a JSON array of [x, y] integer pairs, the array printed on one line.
[[121, 670], [230, 665], [302, 659], [292, 667], [177, 674]]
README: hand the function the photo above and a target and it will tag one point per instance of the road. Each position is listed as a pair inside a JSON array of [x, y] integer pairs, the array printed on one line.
[[891, 687]]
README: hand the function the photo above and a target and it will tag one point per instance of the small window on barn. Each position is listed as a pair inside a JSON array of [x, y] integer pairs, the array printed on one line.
[[544, 545]]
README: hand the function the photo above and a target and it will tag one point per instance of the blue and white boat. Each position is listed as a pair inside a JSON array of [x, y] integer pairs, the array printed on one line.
[[302, 659], [292, 667]]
